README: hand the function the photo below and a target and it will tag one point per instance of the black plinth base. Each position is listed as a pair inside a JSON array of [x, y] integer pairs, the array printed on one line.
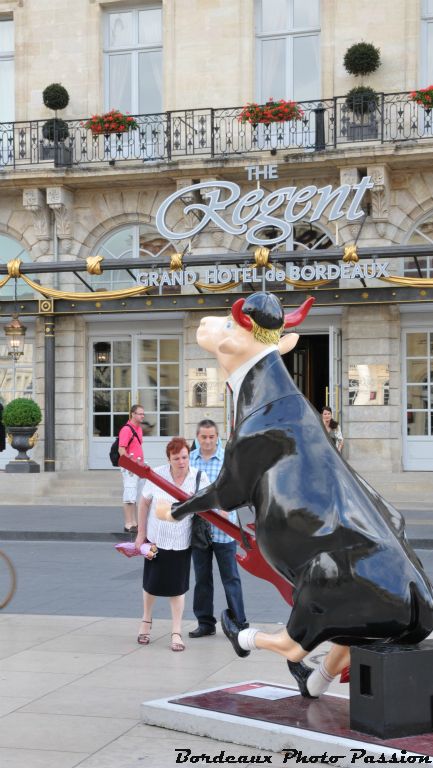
[[23, 467], [391, 689]]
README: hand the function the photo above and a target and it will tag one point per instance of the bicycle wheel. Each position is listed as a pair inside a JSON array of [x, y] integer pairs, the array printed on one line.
[[8, 580]]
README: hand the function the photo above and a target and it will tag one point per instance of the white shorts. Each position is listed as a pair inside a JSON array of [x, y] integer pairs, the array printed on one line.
[[132, 486]]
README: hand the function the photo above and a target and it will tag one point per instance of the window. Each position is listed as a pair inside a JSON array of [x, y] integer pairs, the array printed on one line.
[[422, 234], [133, 60], [427, 42], [7, 81], [130, 242], [16, 378], [419, 383], [288, 49], [13, 249], [138, 369]]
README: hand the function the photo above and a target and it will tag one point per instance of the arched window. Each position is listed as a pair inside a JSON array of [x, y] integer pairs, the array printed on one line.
[[133, 241], [12, 249], [421, 234]]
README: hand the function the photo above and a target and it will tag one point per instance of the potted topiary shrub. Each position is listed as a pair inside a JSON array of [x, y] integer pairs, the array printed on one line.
[[361, 59], [21, 418], [362, 101], [54, 130]]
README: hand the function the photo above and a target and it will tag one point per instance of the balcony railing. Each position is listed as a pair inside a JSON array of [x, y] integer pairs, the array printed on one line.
[[218, 133]]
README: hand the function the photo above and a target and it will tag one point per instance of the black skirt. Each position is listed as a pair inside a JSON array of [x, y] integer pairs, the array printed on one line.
[[167, 575]]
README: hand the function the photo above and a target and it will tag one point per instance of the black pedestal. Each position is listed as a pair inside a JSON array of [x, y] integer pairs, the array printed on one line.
[[391, 689]]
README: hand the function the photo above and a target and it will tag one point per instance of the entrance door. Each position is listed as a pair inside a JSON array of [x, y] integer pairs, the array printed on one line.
[[308, 364], [134, 369], [418, 400]]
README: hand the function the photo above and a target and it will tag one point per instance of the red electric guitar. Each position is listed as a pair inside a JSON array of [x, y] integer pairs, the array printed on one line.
[[253, 560]]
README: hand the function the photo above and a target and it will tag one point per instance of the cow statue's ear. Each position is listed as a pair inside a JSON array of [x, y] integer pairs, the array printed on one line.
[[287, 342]]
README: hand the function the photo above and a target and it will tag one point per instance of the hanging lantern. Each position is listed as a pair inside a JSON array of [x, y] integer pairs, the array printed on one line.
[[15, 333], [102, 352]]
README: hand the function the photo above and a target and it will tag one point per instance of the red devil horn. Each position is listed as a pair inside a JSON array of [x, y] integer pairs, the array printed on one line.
[[243, 320], [299, 315]]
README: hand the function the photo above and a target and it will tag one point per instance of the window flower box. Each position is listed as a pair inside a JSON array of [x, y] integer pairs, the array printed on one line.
[[272, 112], [110, 122], [423, 97]]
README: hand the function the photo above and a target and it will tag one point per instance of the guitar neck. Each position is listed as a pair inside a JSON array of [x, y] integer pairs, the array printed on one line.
[[144, 471]]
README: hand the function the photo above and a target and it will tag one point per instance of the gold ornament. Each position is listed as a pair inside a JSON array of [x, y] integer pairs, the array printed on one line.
[[176, 261], [94, 265], [261, 256], [350, 254]]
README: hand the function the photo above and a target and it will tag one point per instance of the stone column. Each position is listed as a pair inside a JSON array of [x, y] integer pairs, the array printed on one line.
[[71, 411]]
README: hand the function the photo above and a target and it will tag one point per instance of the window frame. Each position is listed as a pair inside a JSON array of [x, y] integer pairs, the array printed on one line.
[[6, 56], [288, 34], [134, 49]]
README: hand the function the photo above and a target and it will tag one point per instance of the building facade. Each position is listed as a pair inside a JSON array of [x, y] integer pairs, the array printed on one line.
[[185, 69]]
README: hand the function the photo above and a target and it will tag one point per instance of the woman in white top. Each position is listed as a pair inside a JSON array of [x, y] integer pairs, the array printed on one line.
[[333, 428], [167, 575]]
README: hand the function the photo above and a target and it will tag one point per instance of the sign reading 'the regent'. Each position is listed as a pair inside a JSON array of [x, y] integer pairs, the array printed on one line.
[[221, 203]]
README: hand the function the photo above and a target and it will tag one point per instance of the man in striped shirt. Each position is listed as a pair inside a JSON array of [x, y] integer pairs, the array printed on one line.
[[208, 457]]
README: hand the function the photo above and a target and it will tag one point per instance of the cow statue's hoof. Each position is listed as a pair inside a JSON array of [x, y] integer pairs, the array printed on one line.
[[231, 630], [301, 673]]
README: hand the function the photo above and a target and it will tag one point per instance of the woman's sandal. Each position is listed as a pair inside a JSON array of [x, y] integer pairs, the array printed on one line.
[[177, 646], [144, 637]]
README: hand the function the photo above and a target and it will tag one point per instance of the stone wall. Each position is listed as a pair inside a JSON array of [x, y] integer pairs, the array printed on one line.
[[64, 42], [371, 335]]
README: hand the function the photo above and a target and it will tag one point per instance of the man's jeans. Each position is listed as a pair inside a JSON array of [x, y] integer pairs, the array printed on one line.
[[204, 589]]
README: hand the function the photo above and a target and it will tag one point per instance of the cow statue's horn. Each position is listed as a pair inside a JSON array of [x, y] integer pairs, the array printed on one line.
[[240, 318], [299, 315]]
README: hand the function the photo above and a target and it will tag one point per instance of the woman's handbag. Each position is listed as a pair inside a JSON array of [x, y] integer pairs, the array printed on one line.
[[201, 536]]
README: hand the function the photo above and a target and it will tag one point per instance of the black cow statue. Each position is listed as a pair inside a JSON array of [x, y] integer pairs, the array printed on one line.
[[318, 523]]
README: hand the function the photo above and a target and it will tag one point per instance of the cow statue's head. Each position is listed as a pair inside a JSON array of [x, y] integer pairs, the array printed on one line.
[[254, 323]]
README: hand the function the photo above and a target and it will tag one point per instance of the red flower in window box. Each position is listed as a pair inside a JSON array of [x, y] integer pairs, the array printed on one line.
[[272, 112], [423, 97], [113, 121]]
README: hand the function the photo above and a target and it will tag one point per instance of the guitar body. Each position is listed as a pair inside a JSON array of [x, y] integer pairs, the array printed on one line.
[[252, 561]]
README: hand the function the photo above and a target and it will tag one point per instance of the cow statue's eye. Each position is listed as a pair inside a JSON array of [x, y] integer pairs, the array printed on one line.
[[229, 323]]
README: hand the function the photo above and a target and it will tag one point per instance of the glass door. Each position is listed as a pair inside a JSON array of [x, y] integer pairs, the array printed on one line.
[[129, 370], [418, 400], [16, 380]]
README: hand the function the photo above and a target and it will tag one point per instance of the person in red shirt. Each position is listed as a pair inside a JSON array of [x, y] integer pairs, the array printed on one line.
[[131, 444]]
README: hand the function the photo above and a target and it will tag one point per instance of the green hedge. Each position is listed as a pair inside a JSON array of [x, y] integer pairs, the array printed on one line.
[[22, 412]]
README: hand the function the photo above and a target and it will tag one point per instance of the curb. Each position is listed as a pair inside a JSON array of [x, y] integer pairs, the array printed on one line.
[[116, 536], [62, 536]]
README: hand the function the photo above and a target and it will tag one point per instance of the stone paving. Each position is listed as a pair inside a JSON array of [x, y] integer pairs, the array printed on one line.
[[71, 689]]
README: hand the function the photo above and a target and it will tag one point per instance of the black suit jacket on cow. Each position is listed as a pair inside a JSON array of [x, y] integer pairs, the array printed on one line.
[[318, 523]]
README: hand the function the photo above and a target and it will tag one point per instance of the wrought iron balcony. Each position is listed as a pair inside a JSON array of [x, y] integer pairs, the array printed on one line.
[[219, 133]]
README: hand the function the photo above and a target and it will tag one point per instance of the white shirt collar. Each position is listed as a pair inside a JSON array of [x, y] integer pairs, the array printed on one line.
[[236, 378]]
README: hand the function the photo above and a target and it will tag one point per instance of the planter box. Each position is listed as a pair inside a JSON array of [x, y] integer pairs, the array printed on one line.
[[60, 154]]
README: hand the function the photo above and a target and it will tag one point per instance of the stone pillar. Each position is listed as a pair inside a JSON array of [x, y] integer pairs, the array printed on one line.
[[71, 411], [372, 433], [50, 416]]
